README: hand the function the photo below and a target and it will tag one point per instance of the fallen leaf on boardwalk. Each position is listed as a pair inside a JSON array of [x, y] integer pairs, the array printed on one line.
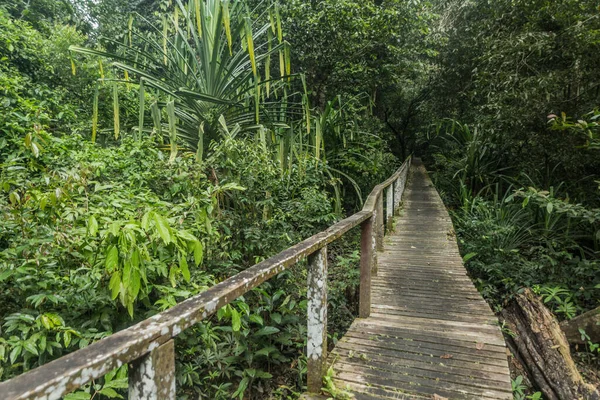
[[438, 397], [412, 247], [446, 356], [479, 345]]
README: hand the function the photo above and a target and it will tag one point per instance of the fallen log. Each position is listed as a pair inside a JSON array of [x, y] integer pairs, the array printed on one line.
[[540, 345], [589, 322]]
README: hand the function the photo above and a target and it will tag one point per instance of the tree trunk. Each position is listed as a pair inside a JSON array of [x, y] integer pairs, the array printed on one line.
[[589, 322], [541, 346]]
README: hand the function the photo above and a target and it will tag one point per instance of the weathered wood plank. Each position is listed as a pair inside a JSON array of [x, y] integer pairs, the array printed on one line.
[[368, 392], [446, 376], [420, 385], [428, 355], [428, 343]]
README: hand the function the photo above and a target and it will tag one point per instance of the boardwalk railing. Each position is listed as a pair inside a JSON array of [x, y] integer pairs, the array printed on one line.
[[148, 346]]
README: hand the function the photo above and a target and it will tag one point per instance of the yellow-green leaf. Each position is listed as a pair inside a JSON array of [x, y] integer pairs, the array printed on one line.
[[162, 226], [112, 259], [92, 226], [198, 253], [236, 320], [250, 42], [185, 271], [115, 285]]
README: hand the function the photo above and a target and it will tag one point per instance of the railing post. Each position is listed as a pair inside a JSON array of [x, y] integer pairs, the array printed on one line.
[[398, 192], [316, 347], [367, 249], [380, 225], [389, 211], [152, 377]]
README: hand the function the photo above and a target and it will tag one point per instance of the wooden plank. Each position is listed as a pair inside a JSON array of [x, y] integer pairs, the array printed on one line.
[[415, 334], [368, 392], [428, 343], [440, 314], [450, 375], [427, 355], [419, 385], [447, 307]]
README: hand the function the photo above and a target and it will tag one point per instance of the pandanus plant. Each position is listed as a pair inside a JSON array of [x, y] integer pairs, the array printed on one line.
[[206, 64]]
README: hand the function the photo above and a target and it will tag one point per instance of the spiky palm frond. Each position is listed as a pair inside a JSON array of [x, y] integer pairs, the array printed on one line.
[[206, 60]]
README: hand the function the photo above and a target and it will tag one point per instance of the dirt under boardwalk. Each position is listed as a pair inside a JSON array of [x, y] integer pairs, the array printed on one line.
[[430, 332]]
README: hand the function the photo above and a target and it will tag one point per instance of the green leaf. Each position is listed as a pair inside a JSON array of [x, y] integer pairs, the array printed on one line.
[[67, 338], [5, 274], [31, 347], [183, 265], [116, 121], [110, 393], [162, 226], [266, 351], [198, 252], [117, 384], [92, 226], [14, 198], [115, 284], [236, 320], [467, 257], [276, 317], [549, 207], [112, 259], [267, 330], [256, 318], [172, 119], [77, 396], [241, 388], [15, 353]]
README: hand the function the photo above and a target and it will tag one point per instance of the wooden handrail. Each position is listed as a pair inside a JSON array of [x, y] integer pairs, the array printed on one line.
[[148, 346]]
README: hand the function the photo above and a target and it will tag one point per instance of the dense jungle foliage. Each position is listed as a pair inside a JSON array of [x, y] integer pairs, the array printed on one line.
[[152, 148]]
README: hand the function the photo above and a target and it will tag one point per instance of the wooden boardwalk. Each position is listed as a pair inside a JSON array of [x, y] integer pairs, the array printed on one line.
[[430, 334]]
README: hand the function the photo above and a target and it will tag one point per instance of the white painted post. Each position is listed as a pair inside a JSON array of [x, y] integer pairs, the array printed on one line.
[[389, 207], [397, 192], [316, 346], [152, 377]]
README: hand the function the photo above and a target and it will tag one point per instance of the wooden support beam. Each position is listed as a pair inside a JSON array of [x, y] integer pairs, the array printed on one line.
[[316, 346], [152, 377]]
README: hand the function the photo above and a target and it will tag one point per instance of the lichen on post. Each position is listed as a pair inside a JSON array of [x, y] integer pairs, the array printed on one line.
[[152, 377], [316, 347]]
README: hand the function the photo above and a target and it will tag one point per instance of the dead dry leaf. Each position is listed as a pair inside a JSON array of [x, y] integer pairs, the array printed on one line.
[[438, 397], [446, 356]]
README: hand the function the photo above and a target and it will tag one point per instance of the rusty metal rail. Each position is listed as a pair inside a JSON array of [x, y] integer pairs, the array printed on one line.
[[148, 346]]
